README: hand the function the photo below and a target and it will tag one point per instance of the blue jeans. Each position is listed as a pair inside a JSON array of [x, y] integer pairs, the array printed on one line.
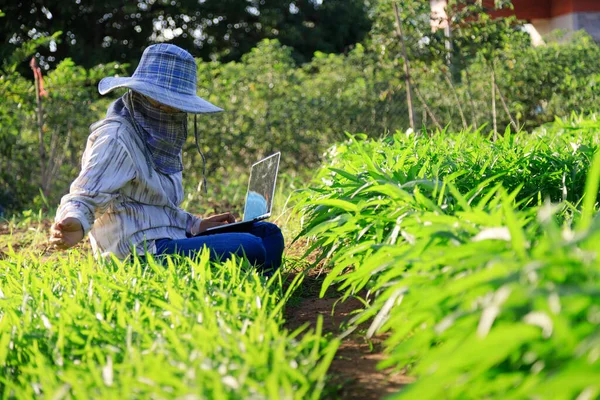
[[262, 245]]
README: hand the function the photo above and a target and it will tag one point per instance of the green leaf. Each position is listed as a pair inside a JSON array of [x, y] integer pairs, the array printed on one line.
[[337, 203], [590, 194]]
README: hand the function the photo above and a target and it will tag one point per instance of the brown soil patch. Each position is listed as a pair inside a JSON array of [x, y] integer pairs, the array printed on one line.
[[353, 372], [32, 238], [4, 230]]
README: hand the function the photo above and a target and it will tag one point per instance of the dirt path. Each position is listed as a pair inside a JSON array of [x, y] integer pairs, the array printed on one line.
[[354, 373]]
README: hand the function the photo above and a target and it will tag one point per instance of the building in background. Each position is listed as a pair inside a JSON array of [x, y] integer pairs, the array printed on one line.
[[544, 16]]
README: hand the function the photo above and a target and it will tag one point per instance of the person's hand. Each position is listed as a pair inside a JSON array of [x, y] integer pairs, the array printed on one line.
[[66, 233], [216, 220]]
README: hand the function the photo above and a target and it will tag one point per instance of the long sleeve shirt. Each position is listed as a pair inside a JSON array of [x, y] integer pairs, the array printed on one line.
[[120, 200]]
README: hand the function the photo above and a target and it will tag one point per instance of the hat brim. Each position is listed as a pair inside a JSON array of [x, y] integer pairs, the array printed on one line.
[[184, 102]]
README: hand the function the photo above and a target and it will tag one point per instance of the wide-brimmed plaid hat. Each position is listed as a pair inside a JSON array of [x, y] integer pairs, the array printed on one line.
[[167, 74]]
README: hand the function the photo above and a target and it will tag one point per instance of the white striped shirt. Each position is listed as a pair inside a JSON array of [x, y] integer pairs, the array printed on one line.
[[119, 198]]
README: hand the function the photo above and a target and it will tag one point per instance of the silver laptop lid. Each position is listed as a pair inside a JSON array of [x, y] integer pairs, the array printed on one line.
[[261, 188]]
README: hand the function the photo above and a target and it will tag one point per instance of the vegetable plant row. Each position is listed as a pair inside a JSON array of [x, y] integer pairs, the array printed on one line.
[[73, 327], [478, 259]]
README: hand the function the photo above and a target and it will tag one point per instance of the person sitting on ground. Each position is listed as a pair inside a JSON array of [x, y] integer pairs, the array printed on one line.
[[128, 192]]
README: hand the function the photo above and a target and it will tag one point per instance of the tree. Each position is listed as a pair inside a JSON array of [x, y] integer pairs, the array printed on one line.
[[112, 30]]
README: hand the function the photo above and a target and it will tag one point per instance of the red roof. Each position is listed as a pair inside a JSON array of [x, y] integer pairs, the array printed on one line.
[[545, 9]]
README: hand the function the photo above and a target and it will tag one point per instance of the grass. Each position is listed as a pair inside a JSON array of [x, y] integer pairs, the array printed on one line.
[[73, 327]]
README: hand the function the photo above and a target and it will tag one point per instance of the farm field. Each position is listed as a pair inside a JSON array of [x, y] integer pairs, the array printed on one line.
[[76, 327], [477, 259], [472, 263], [437, 192]]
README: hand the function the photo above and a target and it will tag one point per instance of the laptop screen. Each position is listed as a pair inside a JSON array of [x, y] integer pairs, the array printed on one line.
[[261, 188]]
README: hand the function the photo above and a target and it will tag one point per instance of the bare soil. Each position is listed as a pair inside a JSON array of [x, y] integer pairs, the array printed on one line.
[[353, 372], [32, 238]]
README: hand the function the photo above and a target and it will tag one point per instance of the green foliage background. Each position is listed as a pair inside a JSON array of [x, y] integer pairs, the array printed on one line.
[[117, 31], [272, 104]]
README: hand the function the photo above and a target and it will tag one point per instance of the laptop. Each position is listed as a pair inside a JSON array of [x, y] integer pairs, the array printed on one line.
[[259, 197]]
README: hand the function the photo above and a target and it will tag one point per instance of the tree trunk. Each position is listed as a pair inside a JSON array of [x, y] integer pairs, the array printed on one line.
[[399, 31], [40, 126], [470, 96], [460, 109], [494, 105], [512, 121], [428, 110]]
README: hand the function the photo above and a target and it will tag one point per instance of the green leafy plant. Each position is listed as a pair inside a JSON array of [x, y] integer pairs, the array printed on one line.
[[476, 258], [75, 327]]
